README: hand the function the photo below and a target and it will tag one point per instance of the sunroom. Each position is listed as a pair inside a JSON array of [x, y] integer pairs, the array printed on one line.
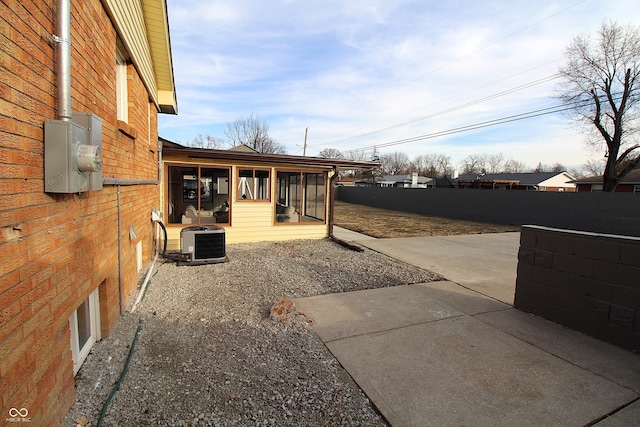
[[254, 196]]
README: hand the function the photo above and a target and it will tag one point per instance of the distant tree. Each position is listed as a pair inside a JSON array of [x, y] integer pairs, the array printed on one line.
[[514, 166], [601, 82], [431, 165], [207, 141], [556, 167], [473, 163], [421, 165], [331, 153], [394, 163], [540, 168], [443, 164], [494, 162], [594, 167], [254, 133]]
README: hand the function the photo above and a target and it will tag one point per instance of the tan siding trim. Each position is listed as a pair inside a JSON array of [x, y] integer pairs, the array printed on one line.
[[257, 234], [144, 31]]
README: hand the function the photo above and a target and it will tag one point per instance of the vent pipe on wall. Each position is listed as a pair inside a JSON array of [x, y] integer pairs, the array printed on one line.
[[64, 60]]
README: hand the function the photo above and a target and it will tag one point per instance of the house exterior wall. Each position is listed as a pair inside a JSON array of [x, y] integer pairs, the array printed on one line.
[[620, 188], [56, 249], [251, 221], [558, 183], [586, 281]]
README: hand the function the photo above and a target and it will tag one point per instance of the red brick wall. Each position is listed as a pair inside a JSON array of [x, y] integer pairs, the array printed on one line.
[[55, 249]]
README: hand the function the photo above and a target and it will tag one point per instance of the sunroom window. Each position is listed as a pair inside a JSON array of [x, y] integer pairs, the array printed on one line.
[[301, 197], [253, 184], [198, 195]]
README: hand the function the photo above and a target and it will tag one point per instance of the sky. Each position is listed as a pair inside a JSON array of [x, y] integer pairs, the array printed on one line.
[[358, 74]]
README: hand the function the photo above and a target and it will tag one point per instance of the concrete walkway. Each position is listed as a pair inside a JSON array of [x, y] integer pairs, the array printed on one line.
[[457, 353]]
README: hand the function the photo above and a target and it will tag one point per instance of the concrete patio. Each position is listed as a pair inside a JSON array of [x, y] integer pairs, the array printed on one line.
[[456, 352]]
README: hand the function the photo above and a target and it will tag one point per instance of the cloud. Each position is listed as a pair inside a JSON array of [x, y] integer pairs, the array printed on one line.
[[349, 70]]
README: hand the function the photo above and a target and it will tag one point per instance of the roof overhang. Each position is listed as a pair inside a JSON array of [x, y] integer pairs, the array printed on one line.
[[143, 28], [280, 159], [489, 181]]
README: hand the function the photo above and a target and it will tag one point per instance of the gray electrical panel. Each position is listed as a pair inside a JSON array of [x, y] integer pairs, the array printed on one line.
[[73, 154]]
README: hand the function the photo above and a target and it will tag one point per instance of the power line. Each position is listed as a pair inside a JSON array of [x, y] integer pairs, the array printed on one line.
[[475, 126], [472, 53], [453, 109]]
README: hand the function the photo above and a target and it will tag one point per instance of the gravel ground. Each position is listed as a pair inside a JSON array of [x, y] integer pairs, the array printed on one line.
[[208, 352]]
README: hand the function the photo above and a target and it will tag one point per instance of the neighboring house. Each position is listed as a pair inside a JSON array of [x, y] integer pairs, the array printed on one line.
[[346, 182], [532, 181], [406, 181], [253, 196], [397, 181], [629, 184], [74, 234]]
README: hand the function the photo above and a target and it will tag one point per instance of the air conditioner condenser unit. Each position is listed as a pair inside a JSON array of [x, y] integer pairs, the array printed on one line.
[[203, 245]]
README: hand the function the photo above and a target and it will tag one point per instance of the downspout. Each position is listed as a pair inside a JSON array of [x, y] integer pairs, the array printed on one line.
[[119, 251], [332, 200], [64, 60]]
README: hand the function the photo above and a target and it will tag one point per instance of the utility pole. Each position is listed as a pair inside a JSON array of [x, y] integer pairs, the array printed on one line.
[[304, 149]]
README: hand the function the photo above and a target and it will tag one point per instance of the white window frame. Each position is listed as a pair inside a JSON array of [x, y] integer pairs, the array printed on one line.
[[122, 94], [80, 354], [636, 188]]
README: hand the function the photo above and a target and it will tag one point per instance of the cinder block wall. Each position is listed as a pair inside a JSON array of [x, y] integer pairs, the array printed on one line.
[[586, 281], [55, 249], [613, 213]]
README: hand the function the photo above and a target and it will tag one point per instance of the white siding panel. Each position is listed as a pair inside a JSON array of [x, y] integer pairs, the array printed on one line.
[[129, 21]]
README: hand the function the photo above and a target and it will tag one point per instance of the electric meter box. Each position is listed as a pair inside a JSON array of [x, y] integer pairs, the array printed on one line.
[[93, 124], [73, 154]]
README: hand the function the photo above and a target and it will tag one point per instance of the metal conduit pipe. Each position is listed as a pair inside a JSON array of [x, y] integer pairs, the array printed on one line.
[[117, 182], [120, 181], [119, 251], [64, 59]]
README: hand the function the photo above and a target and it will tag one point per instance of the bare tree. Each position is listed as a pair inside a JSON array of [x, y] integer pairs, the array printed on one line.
[[556, 167], [540, 168], [254, 133], [494, 162], [601, 83], [514, 166], [443, 164], [207, 141], [394, 163], [421, 165], [331, 153], [431, 165], [594, 167], [361, 155], [473, 163]]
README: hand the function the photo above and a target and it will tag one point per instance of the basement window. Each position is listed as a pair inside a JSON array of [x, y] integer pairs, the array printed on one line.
[[84, 324]]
